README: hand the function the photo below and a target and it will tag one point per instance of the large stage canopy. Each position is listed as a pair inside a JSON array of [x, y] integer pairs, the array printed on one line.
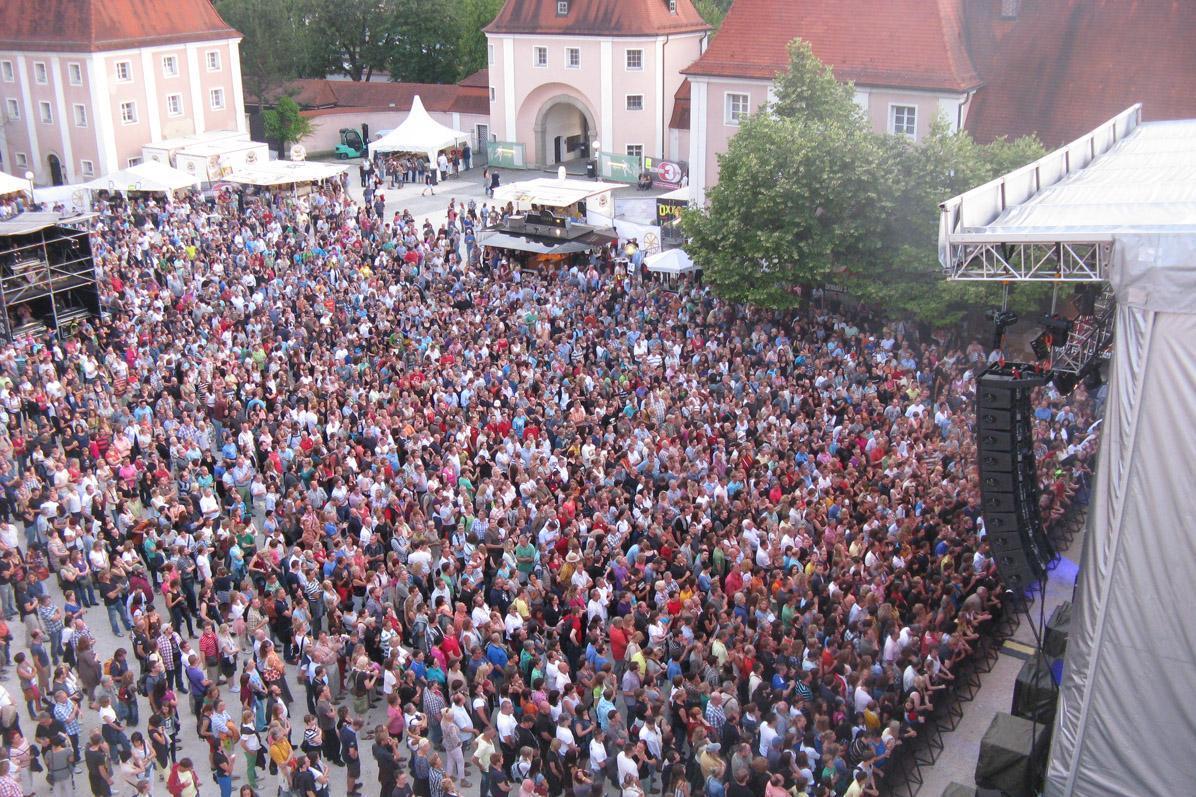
[[1125, 194]]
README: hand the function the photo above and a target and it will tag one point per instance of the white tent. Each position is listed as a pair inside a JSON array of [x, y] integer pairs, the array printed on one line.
[[11, 185], [419, 133], [286, 173], [151, 176], [670, 261]]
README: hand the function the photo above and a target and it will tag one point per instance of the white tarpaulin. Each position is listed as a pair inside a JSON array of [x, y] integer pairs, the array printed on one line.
[[553, 192], [419, 133], [11, 185], [151, 176], [670, 261], [286, 173]]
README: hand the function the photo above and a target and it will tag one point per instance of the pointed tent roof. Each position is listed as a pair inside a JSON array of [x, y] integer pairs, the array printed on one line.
[[419, 133]]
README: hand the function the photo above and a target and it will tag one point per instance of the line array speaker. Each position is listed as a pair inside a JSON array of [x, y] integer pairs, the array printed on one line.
[[1008, 476]]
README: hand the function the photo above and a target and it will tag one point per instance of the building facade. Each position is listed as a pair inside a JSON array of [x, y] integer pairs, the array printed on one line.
[[85, 84], [564, 74]]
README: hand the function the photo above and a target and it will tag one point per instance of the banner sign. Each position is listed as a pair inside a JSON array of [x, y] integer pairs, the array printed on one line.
[[508, 154], [668, 211], [665, 174], [623, 168]]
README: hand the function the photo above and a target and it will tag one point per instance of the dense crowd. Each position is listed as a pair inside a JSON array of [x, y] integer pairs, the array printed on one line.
[[532, 534]]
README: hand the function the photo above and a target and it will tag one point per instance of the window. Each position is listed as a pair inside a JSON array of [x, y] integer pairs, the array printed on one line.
[[13, 108], [22, 160], [562, 8], [737, 107], [88, 168], [170, 65], [490, 53], [39, 72], [124, 71], [492, 94], [75, 74], [43, 113], [635, 150], [213, 60], [573, 58], [635, 102], [80, 115], [635, 60], [128, 113], [134, 161], [6, 71], [903, 120], [540, 57], [174, 104], [217, 99]]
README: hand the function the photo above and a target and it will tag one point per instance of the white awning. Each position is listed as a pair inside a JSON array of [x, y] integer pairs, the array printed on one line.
[[12, 185], [151, 176], [286, 173], [551, 192], [670, 261]]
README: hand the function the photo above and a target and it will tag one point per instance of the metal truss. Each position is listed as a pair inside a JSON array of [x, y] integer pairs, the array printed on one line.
[[1028, 261], [1090, 337]]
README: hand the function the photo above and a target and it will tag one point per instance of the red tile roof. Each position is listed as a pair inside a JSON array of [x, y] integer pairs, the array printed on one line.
[[479, 79], [1064, 66], [598, 18], [316, 94], [912, 44], [95, 25]]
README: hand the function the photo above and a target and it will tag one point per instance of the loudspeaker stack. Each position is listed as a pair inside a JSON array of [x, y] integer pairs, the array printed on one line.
[[1008, 478]]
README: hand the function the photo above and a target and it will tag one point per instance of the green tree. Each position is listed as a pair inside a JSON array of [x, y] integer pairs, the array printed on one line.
[[285, 124], [713, 11], [797, 204], [358, 36], [471, 48], [426, 43], [279, 44]]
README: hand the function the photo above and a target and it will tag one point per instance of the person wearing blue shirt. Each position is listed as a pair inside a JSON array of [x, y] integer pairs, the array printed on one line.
[[496, 654]]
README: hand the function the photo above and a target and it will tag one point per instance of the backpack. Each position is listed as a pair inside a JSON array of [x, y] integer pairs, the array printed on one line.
[[173, 784]]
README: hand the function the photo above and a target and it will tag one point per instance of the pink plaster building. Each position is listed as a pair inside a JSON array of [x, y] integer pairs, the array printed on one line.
[[566, 73], [84, 84]]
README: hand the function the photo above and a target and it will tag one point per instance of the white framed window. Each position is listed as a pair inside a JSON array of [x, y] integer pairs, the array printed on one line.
[[216, 99], [135, 161], [44, 113], [562, 8], [903, 120], [490, 54], [128, 113], [635, 150], [39, 73], [12, 108], [87, 168], [635, 102], [170, 65], [124, 71], [6, 71], [74, 74], [80, 111], [492, 94], [737, 107], [573, 58], [540, 57], [635, 60], [174, 104], [212, 59], [21, 159]]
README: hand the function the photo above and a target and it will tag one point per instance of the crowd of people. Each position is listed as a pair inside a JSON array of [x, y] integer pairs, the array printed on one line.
[[346, 496]]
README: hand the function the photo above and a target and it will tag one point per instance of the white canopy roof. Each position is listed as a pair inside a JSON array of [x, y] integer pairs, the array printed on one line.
[[419, 133], [551, 192], [149, 176], [11, 185], [670, 261], [286, 173]]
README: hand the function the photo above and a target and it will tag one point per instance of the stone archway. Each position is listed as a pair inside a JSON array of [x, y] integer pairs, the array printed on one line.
[[546, 146]]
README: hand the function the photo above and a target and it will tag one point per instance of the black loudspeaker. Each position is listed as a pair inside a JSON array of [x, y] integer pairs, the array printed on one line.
[[1054, 639], [1034, 691], [1012, 755], [1008, 478]]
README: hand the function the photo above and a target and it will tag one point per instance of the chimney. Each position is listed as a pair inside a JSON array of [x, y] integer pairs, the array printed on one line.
[[1010, 8]]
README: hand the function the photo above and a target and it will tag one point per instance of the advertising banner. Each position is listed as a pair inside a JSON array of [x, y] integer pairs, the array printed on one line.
[[508, 154]]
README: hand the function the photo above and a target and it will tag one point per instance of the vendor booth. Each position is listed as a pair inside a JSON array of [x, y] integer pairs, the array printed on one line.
[[150, 177], [420, 134], [216, 160], [542, 241], [164, 151], [588, 201], [12, 185], [670, 263], [277, 173]]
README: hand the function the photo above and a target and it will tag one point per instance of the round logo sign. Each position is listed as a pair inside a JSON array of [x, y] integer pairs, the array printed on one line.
[[669, 172]]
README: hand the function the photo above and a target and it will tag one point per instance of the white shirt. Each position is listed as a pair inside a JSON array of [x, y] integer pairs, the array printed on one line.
[[506, 725]]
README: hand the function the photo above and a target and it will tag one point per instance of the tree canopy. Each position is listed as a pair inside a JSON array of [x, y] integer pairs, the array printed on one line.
[[285, 124], [279, 44], [809, 194]]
